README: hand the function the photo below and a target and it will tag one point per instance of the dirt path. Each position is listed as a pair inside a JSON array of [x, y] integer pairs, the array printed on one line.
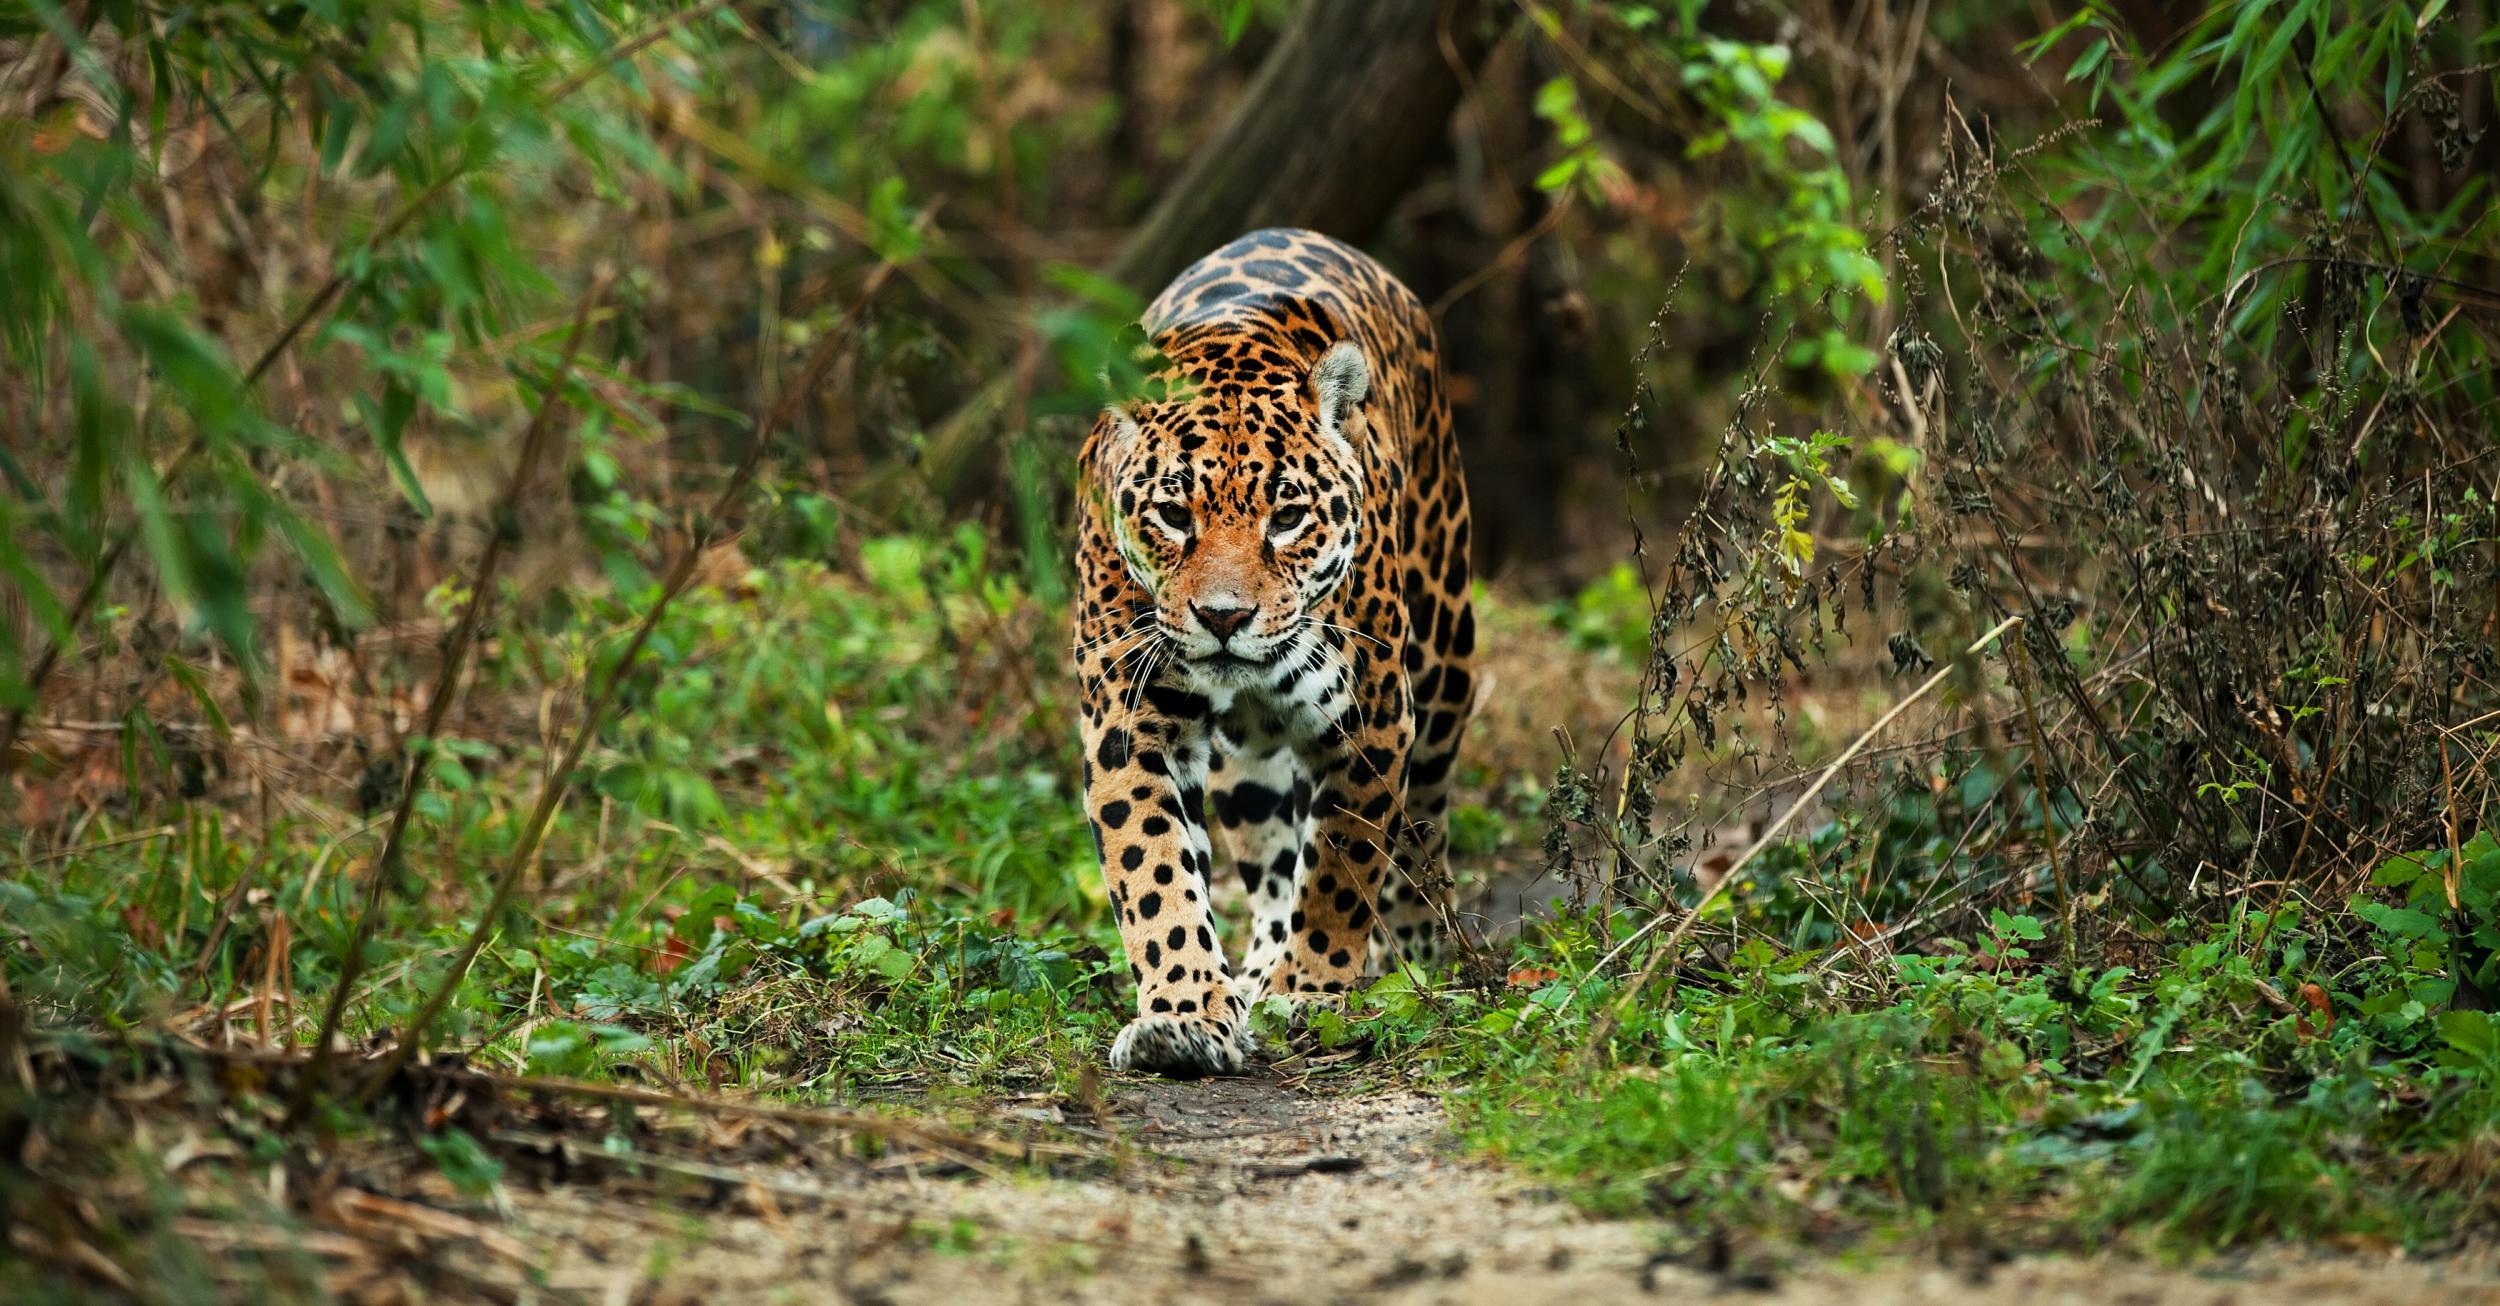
[[1286, 1194], [1305, 1188]]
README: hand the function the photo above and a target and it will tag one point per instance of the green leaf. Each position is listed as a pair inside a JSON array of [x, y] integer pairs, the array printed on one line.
[[399, 402], [2041, 44], [343, 113], [196, 684], [879, 954], [159, 531], [877, 909], [2403, 922], [383, 141], [559, 1047], [2402, 869], [188, 362], [2089, 61], [463, 1160], [321, 558], [1556, 97], [2478, 889], [2470, 1032]]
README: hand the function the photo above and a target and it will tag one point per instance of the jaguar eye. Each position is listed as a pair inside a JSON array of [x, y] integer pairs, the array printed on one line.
[[1287, 517], [1174, 516]]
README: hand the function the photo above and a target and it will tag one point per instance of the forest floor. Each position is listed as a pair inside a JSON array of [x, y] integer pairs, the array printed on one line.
[[1311, 1179], [1289, 1185], [1317, 1177]]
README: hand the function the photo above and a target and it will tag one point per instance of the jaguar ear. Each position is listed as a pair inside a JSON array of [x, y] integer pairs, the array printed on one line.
[[1116, 433], [1338, 382]]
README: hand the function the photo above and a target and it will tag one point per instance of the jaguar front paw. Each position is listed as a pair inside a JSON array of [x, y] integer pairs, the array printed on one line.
[[1181, 1047]]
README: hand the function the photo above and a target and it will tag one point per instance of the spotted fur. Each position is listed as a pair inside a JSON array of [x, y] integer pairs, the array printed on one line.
[[1274, 638]]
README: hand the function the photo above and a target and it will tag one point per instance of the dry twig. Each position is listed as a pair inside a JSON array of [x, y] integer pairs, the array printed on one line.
[[708, 529], [1606, 1020]]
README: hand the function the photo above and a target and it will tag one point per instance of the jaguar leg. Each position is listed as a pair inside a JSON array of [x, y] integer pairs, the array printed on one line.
[[1261, 805]]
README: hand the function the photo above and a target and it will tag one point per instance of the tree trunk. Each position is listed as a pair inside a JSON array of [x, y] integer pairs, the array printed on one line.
[[1329, 134], [1346, 108]]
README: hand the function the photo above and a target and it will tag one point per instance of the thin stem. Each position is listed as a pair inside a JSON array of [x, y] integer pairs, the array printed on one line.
[[420, 750], [551, 793], [2040, 780], [1605, 1023]]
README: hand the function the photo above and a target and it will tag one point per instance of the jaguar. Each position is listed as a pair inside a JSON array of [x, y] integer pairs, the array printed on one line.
[[1274, 641]]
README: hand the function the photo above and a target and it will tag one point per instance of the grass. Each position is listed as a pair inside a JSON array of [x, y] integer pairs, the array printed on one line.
[[817, 743], [831, 855], [2173, 1109]]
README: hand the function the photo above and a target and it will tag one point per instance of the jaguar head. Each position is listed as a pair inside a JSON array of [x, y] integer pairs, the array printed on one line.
[[1239, 505]]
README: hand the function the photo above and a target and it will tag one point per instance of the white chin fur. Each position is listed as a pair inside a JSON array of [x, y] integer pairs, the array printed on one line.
[[1224, 675]]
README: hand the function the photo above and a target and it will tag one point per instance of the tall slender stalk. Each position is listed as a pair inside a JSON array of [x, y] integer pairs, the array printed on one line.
[[420, 751], [1604, 1024], [2048, 809], [707, 530]]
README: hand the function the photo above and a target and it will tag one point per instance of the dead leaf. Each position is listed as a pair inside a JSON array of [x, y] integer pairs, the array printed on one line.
[[2318, 1002]]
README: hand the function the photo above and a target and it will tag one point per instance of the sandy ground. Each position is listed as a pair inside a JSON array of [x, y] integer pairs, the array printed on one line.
[[1260, 1190]]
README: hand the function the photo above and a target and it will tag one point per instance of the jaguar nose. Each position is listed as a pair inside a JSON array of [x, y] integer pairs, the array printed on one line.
[[1223, 623]]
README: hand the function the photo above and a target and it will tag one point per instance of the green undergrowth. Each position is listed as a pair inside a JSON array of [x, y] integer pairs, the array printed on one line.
[[833, 855], [2221, 1092], [830, 847], [832, 841]]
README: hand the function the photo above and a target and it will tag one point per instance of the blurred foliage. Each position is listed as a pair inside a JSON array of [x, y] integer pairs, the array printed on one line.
[[2131, 376], [444, 123]]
